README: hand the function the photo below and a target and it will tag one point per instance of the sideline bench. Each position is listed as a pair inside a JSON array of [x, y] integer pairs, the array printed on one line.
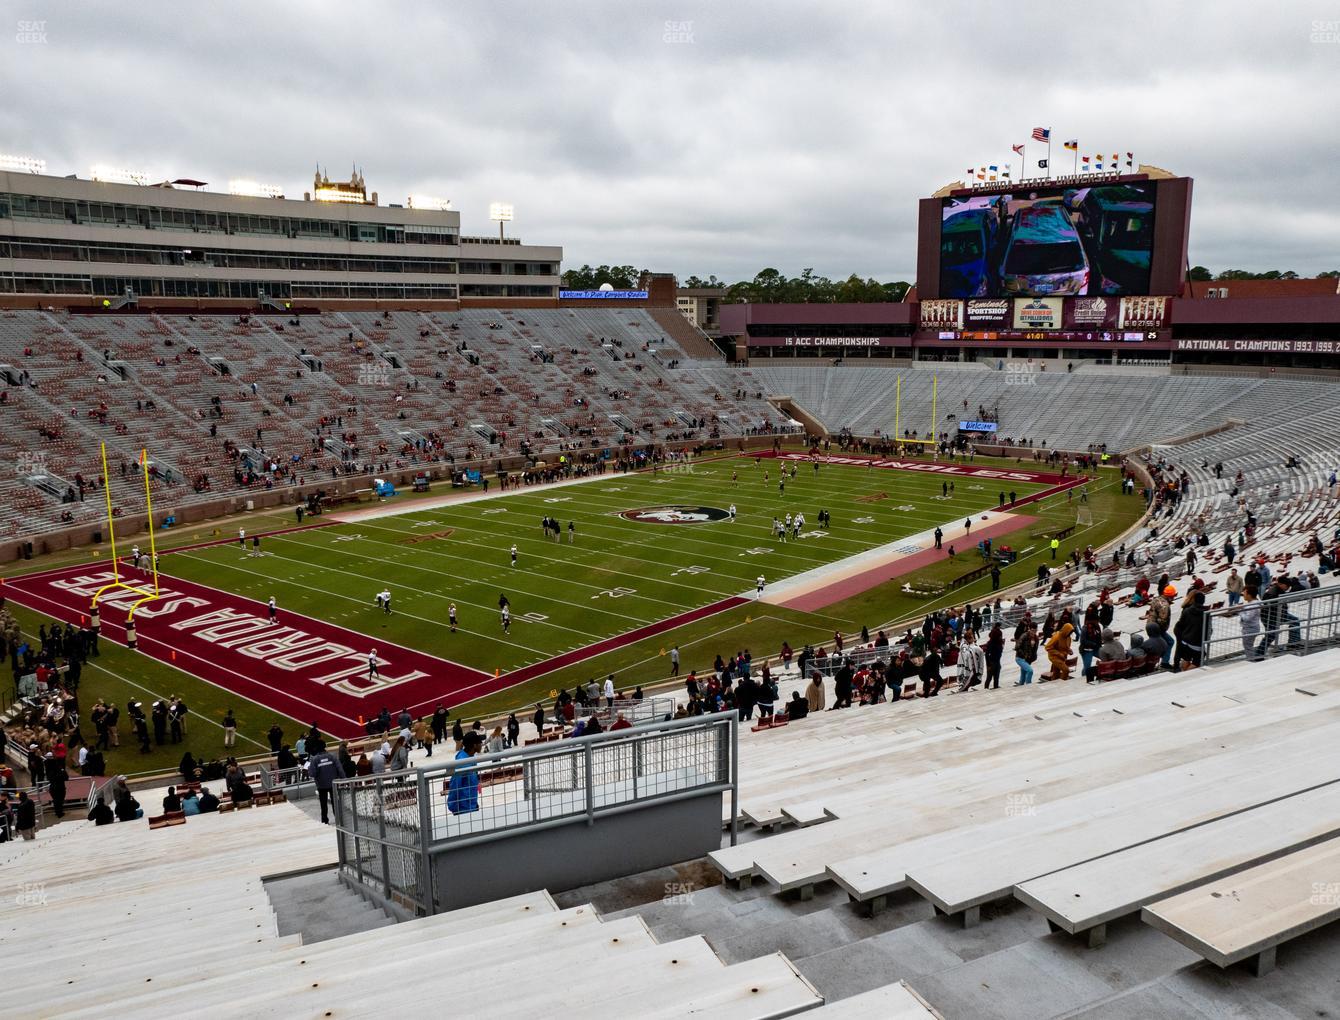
[[1247, 915]]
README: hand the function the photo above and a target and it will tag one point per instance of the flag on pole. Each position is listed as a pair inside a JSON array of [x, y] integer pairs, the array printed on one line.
[[971, 171], [1018, 149], [993, 168], [1084, 159], [1041, 134], [1042, 164], [1098, 166], [1073, 144]]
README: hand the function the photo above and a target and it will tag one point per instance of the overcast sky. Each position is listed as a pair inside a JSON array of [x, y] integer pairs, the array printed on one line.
[[699, 137]]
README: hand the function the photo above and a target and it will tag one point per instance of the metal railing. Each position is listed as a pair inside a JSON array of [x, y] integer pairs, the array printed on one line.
[[642, 710], [390, 825], [1299, 623]]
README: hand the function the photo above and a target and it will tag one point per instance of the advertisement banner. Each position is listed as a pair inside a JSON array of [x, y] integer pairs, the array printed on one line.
[[942, 313], [1090, 313], [989, 313], [1038, 313], [1143, 312]]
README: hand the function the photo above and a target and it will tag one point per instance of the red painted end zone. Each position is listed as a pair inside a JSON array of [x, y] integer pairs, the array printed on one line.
[[301, 667], [1015, 474]]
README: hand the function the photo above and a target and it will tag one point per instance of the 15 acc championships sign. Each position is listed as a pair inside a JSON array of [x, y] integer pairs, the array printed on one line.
[[827, 341]]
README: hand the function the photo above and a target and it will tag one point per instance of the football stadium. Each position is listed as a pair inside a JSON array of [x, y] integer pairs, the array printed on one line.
[[626, 645]]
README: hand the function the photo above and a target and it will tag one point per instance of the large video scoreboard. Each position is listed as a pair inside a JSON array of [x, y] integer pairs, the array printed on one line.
[[1087, 259]]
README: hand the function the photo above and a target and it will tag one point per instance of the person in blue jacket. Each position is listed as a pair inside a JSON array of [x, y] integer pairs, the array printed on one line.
[[463, 790]]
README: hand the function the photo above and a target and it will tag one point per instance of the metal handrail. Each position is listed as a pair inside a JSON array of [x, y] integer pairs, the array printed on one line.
[[1307, 621]]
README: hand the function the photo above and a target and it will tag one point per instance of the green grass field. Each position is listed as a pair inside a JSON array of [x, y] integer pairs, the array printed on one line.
[[616, 576]]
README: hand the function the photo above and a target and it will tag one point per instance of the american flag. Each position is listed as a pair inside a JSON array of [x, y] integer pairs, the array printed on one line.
[[1042, 134]]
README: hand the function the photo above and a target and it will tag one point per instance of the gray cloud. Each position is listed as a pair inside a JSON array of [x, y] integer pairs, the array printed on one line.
[[698, 137]]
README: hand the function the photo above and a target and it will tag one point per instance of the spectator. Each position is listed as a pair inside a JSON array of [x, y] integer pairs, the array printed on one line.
[[993, 650], [814, 693], [1025, 653], [463, 788], [101, 813], [1058, 652], [1090, 640], [287, 764], [171, 802], [25, 816], [1111, 650], [1234, 585], [496, 742], [189, 804], [324, 768], [1249, 622], [971, 662], [1192, 629], [127, 807], [238, 787], [208, 802], [931, 680], [797, 708]]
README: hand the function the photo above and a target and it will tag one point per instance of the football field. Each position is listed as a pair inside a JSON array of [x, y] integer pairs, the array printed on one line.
[[626, 564], [636, 558]]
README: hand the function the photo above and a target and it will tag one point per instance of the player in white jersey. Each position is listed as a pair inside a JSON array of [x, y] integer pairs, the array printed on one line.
[[372, 665], [759, 585]]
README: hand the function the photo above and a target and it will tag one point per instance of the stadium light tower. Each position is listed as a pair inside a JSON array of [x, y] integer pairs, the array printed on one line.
[[254, 189], [22, 164], [501, 214], [114, 175], [430, 203]]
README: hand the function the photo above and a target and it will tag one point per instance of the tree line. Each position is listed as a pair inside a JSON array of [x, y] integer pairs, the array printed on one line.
[[768, 286], [1201, 274]]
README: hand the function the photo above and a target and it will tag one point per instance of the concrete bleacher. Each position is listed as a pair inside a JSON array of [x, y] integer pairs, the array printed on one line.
[[1123, 409], [284, 383], [179, 921], [1248, 915], [1039, 813]]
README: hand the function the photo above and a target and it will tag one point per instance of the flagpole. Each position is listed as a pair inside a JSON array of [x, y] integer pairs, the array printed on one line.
[[1049, 153], [1074, 169]]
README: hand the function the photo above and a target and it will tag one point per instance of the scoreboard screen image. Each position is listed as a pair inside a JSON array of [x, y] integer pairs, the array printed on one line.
[[1048, 241]]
